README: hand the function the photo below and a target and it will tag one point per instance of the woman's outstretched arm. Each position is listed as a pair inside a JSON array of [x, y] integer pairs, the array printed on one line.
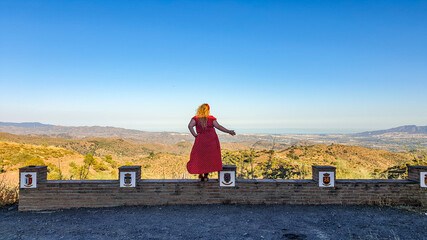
[[191, 125], [223, 129]]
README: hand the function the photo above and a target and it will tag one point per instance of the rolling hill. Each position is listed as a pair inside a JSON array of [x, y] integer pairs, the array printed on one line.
[[398, 139], [64, 157]]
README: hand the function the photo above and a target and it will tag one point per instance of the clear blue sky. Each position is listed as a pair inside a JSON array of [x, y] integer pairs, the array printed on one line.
[[260, 64]]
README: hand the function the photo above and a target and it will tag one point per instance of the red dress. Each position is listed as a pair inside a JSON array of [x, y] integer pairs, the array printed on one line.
[[206, 153]]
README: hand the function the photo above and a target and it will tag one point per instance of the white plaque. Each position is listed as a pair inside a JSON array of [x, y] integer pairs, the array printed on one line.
[[227, 178], [423, 179], [127, 179], [28, 179], [326, 179]]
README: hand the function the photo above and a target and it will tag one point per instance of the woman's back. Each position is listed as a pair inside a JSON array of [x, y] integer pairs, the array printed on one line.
[[200, 122]]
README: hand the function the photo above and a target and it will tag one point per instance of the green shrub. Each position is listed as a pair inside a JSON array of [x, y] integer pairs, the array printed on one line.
[[109, 160], [100, 166], [82, 172], [36, 161], [53, 172], [73, 170], [8, 193]]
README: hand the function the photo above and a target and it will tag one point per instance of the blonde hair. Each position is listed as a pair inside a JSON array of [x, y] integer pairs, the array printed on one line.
[[203, 113]]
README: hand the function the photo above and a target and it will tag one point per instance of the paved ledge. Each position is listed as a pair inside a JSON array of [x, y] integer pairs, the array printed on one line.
[[389, 181], [237, 181], [420, 167], [172, 180], [274, 181], [182, 181], [82, 181]]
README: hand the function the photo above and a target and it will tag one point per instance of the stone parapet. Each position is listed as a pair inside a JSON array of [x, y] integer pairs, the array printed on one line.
[[60, 194]]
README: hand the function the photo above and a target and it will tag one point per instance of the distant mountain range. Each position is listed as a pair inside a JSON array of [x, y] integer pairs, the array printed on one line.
[[408, 129], [25, 124], [94, 131], [35, 128]]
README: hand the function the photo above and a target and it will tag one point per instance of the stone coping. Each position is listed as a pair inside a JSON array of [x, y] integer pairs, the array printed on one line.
[[389, 181], [82, 181], [33, 167], [418, 166], [322, 166]]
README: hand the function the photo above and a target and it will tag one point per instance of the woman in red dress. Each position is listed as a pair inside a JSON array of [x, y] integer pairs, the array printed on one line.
[[206, 153]]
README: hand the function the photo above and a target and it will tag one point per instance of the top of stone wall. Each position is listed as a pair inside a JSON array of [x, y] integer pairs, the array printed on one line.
[[417, 166], [33, 167], [320, 167]]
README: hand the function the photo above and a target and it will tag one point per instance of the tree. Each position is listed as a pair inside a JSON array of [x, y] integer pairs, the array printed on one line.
[[84, 170]]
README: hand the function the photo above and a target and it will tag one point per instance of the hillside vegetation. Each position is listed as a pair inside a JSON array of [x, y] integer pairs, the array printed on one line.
[[352, 162], [99, 158]]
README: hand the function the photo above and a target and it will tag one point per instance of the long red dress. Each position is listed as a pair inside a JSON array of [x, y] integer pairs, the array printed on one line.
[[206, 153]]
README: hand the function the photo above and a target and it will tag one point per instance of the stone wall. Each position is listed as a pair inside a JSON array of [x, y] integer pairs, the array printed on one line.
[[108, 193]]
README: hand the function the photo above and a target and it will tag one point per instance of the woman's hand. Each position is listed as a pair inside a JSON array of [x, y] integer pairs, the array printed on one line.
[[231, 132]]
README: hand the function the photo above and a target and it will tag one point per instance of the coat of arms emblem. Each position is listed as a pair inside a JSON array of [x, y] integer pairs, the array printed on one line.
[[28, 180], [128, 180], [227, 179], [326, 179]]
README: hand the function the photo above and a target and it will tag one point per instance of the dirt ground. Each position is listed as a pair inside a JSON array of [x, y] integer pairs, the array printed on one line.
[[215, 222]]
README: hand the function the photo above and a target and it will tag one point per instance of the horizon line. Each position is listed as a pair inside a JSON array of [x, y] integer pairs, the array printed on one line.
[[248, 131]]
